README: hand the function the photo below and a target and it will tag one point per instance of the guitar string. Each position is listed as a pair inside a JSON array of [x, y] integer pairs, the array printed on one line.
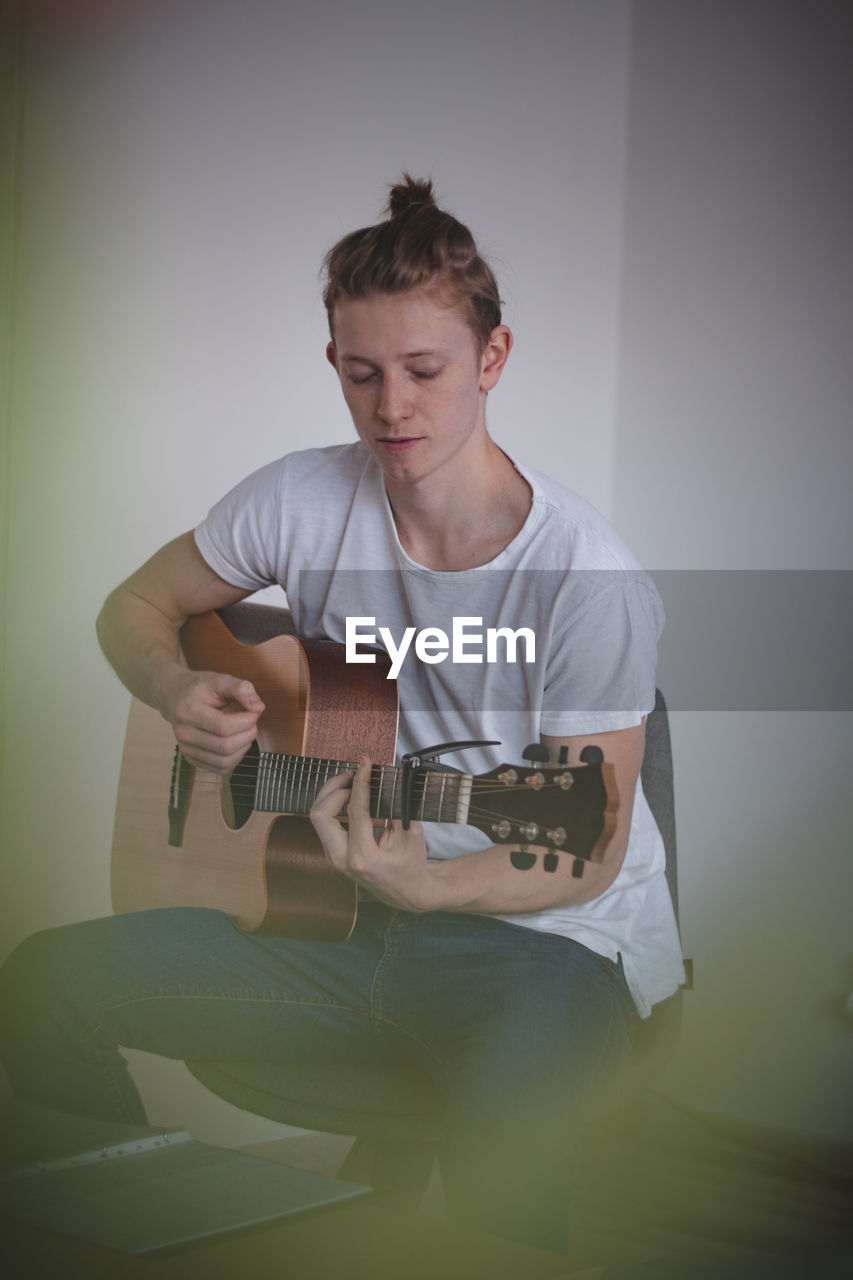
[[334, 768], [426, 807], [248, 785], [248, 789], [263, 786]]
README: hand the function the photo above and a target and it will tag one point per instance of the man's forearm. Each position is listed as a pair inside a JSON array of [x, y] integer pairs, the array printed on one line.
[[487, 882], [141, 644]]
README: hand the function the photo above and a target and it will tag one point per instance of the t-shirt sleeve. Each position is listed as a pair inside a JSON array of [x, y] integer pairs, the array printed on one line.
[[603, 654], [241, 536]]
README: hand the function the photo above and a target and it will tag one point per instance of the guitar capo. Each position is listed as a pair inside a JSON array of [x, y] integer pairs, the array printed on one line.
[[420, 759]]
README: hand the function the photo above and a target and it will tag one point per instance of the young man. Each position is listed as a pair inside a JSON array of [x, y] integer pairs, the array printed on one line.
[[513, 989]]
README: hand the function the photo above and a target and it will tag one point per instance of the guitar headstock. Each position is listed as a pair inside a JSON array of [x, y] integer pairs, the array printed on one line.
[[560, 808]]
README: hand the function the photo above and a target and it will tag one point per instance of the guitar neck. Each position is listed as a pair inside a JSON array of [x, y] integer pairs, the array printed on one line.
[[289, 784]]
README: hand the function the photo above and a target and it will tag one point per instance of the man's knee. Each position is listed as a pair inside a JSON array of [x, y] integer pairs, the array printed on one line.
[[45, 968]]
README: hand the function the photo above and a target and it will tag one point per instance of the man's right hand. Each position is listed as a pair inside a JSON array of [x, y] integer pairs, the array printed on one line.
[[214, 716]]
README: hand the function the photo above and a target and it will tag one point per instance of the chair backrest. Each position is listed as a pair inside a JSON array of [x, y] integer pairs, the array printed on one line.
[[657, 780], [657, 1035]]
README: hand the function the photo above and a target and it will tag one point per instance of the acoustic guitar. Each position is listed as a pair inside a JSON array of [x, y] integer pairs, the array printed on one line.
[[243, 843]]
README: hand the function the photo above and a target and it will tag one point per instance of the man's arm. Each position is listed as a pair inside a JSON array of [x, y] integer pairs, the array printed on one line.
[[395, 869], [213, 714]]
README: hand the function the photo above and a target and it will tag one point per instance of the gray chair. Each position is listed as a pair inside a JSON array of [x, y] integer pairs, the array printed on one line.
[[396, 1114]]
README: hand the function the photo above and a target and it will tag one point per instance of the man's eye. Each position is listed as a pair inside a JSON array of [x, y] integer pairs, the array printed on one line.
[[425, 375], [364, 378]]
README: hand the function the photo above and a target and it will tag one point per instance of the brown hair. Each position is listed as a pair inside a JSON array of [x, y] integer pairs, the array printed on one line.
[[418, 246]]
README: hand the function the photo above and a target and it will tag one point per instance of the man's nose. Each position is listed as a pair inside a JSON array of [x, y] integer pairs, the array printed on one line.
[[394, 404]]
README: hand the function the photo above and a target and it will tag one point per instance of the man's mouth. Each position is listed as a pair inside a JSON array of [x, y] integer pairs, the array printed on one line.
[[397, 444]]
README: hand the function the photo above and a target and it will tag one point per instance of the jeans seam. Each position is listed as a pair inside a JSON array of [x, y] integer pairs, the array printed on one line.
[[388, 950], [378, 1019], [182, 993], [206, 993], [111, 1076]]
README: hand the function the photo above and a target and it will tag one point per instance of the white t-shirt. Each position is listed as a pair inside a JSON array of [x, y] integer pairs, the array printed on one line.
[[319, 523]]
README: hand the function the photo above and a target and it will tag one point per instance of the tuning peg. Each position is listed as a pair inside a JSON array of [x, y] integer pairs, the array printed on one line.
[[549, 862], [535, 751], [522, 859], [563, 757], [592, 755], [577, 868]]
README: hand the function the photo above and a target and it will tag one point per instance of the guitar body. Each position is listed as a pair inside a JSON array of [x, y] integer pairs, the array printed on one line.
[[268, 871]]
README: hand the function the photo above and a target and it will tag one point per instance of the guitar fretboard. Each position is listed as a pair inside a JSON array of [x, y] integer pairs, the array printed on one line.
[[289, 784]]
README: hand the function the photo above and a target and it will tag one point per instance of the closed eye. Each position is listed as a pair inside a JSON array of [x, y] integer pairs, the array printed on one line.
[[421, 374]]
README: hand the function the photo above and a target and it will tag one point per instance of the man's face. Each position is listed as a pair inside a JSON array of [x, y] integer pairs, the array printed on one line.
[[413, 381]]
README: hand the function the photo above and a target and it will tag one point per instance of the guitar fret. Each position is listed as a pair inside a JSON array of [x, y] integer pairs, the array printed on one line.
[[299, 798], [392, 807], [463, 797], [302, 792], [292, 784], [437, 792], [377, 786], [389, 777], [269, 783], [321, 772], [259, 782], [429, 813], [274, 789], [303, 798], [282, 777]]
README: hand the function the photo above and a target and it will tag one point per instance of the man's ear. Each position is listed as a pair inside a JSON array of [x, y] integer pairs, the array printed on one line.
[[495, 356], [332, 356]]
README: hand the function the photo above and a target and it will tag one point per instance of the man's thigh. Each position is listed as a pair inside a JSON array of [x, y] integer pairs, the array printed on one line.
[[187, 982], [489, 996]]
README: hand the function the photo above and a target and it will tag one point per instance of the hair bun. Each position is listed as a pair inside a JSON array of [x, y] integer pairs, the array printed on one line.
[[413, 249], [409, 192]]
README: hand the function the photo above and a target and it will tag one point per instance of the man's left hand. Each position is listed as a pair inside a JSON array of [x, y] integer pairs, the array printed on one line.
[[393, 867]]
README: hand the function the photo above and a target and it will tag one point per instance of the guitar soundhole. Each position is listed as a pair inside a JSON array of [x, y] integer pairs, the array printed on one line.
[[238, 790]]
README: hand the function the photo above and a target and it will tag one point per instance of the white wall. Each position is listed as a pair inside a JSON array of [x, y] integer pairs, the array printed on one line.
[[185, 166], [734, 450], [676, 269]]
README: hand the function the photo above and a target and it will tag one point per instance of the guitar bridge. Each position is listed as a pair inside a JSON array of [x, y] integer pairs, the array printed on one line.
[[179, 797]]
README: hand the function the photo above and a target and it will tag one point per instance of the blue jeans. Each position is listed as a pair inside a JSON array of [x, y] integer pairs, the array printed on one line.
[[513, 1025]]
